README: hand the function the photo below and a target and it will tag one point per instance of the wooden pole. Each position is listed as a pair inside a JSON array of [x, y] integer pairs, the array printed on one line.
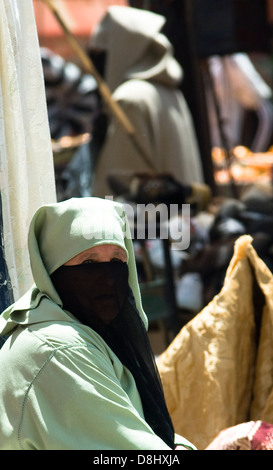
[[102, 86]]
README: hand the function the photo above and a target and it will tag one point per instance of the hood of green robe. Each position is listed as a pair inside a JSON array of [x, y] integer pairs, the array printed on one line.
[[135, 47], [57, 233]]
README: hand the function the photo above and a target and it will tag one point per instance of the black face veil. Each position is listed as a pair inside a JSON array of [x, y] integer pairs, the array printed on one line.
[[99, 296]]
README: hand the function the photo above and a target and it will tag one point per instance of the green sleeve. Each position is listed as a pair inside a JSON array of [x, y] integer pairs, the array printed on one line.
[[76, 401]]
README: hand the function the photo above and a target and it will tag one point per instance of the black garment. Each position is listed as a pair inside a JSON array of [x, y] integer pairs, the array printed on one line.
[[230, 26], [99, 59], [99, 296], [6, 292]]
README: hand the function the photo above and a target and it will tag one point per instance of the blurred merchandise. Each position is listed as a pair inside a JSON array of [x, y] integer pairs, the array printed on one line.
[[242, 166], [73, 105], [157, 188], [72, 96], [189, 292]]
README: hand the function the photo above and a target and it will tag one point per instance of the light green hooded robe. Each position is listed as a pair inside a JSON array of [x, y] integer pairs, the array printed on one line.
[[61, 386]]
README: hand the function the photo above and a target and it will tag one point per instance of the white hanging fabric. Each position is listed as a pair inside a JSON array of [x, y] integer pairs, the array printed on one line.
[[26, 162]]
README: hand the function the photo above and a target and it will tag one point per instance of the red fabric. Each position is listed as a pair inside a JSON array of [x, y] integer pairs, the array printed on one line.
[[253, 435], [80, 16]]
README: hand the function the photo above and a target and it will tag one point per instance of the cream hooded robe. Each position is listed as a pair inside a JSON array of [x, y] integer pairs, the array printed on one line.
[[61, 385], [144, 77]]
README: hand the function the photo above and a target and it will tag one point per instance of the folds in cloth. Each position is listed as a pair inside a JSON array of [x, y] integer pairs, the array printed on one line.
[[218, 371]]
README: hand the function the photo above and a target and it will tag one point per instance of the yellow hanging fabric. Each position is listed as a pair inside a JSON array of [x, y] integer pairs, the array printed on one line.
[[218, 371]]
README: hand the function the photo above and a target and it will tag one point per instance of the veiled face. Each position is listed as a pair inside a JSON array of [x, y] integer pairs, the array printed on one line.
[[93, 285], [99, 254]]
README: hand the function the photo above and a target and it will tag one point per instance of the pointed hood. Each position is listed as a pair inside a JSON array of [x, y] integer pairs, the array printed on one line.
[[57, 233], [135, 47]]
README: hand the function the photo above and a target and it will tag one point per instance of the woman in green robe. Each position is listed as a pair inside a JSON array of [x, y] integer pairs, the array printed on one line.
[[77, 371]]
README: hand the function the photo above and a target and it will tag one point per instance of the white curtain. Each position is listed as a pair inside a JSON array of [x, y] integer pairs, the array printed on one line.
[[26, 161]]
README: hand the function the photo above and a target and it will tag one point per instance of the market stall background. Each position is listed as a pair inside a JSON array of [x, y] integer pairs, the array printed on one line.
[[237, 207]]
